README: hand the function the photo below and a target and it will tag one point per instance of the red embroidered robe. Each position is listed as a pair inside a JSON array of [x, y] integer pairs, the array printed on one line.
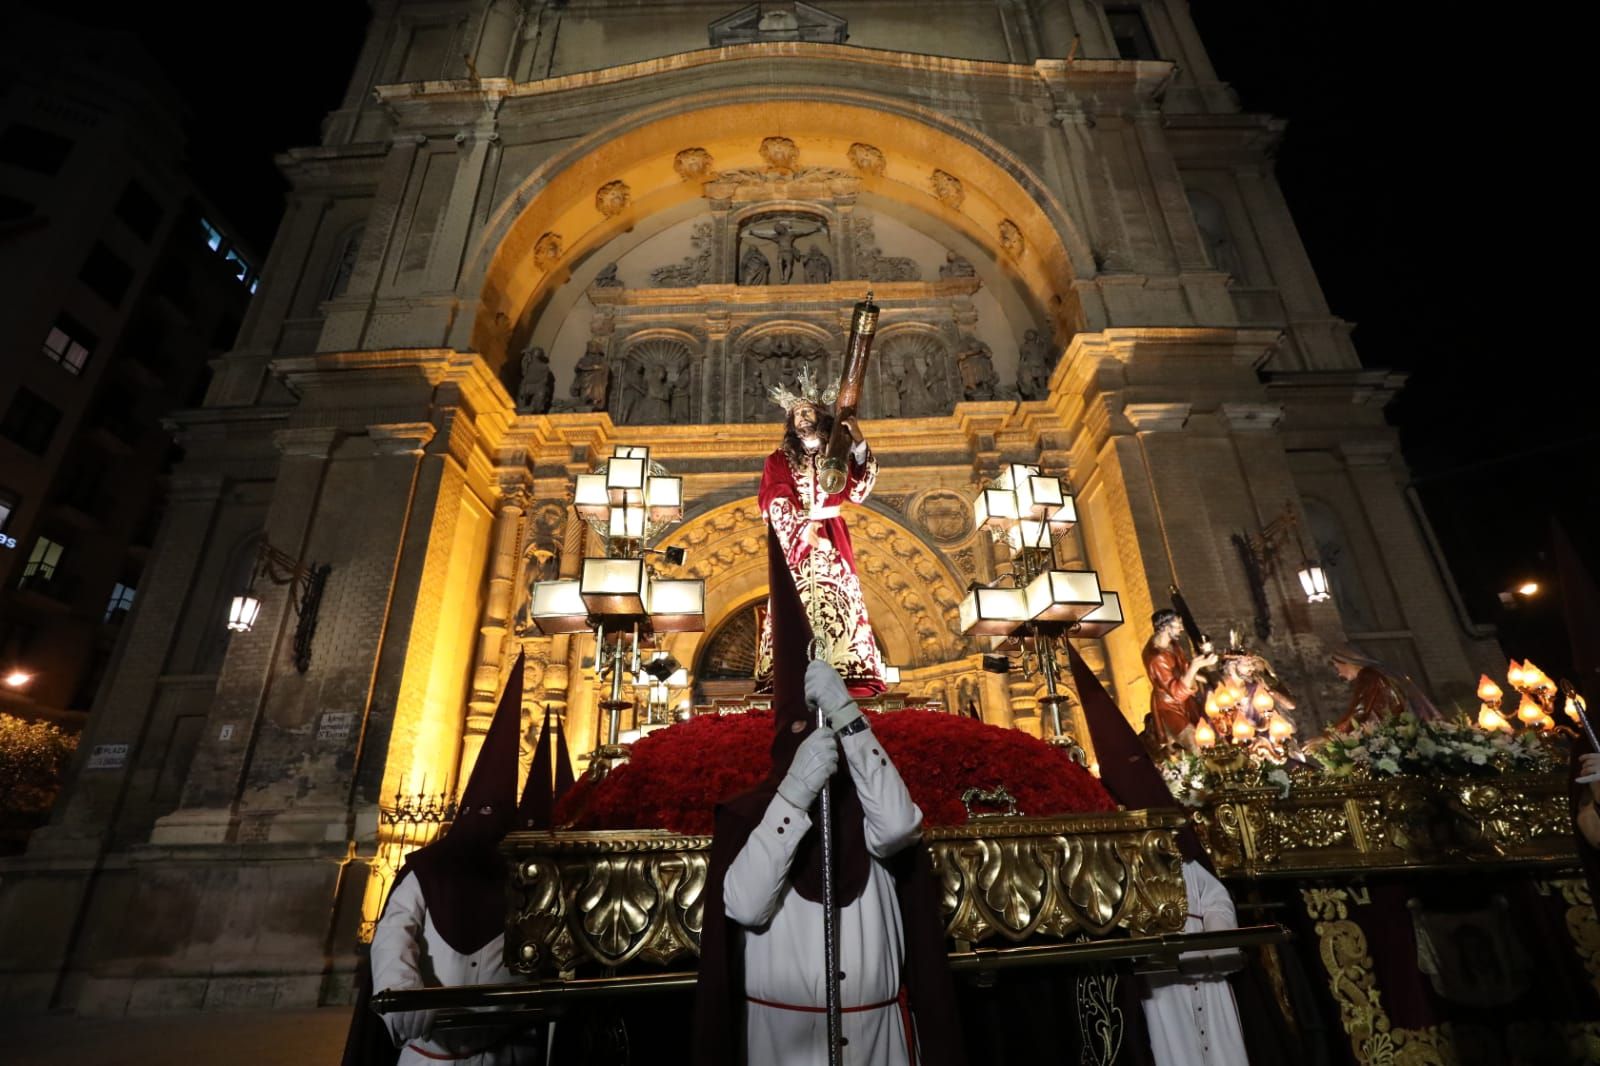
[[791, 500]]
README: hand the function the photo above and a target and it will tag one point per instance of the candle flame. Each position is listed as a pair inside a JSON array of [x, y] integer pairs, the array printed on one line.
[[1529, 712], [1204, 735], [1491, 720], [1243, 728], [1488, 691], [1262, 701]]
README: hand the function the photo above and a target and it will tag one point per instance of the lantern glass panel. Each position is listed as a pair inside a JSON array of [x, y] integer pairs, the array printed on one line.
[[590, 497], [1046, 494], [1064, 517], [625, 480], [242, 613], [1314, 581], [614, 586], [1063, 595], [631, 451], [664, 497], [996, 508], [1103, 619], [677, 606], [993, 612], [1027, 533], [626, 523], [558, 607]]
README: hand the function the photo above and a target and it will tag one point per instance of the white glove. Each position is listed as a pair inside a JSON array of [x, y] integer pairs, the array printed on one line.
[[1589, 764], [825, 689], [814, 762]]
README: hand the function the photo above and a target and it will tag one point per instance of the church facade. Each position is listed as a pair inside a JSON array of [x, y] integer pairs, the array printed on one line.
[[536, 230]]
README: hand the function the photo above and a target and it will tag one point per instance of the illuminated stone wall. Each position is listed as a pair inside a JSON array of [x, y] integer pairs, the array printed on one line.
[[1194, 383]]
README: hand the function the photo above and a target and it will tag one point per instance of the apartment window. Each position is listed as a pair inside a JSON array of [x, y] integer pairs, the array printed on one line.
[[241, 269], [8, 507], [212, 234], [68, 344], [121, 602], [138, 210], [107, 276], [44, 561], [1131, 33], [33, 149], [30, 421]]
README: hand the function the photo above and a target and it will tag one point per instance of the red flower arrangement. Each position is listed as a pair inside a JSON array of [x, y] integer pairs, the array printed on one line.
[[677, 775]]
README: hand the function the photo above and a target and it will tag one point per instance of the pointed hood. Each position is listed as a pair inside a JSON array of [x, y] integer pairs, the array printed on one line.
[[538, 801], [1126, 769], [462, 874]]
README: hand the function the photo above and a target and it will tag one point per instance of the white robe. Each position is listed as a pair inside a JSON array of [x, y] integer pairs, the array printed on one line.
[[408, 952], [782, 932], [1191, 1014]]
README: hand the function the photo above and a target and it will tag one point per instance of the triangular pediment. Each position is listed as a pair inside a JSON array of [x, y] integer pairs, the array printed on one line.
[[787, 20]]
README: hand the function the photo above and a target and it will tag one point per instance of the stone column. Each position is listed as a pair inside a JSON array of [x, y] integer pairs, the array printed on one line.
[[494, 622]]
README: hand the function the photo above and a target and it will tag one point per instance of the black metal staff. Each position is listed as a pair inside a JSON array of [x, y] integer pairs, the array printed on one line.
[[830, 924]]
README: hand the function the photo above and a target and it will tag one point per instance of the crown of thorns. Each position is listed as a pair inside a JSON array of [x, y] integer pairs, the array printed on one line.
[[806, 390]]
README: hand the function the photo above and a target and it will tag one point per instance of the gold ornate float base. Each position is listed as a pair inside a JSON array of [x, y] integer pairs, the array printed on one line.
[[1388, 824], [616, 898]]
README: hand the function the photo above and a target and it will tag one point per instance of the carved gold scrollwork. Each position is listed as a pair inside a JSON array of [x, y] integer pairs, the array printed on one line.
[[1100, 1020], [613, 898], [1343, 948], [1582, 926]]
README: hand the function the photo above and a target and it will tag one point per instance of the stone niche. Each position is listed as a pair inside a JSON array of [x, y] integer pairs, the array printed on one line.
[[696, 323]]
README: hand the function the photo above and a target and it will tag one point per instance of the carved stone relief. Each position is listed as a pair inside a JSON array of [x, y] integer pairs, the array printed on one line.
[[946, 515], [916, 368], [947, 187], [867, 159], [1011, 239], [871, 263], [771, 252], [956, 266], [694, 164], [652, 382], [774, 359], [612, 198], [780, 153], [547, 250], [1033, 366], [695, 268], [976, 362]]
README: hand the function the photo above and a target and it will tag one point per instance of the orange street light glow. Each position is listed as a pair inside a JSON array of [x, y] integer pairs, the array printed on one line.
[[18, 678], [1528, 588]]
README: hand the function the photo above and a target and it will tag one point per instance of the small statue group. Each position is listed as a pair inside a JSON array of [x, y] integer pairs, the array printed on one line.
[[538, 387], [978, 381], [591, 378], [1033, 366]]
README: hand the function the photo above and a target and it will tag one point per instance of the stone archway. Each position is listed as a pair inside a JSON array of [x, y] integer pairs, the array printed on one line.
[[664, 156]]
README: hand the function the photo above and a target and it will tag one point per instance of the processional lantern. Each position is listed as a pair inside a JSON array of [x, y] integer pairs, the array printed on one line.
[[1044, 602], [618, 596]]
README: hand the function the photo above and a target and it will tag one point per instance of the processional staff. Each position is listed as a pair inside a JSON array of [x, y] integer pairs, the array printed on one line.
[[832, 477]]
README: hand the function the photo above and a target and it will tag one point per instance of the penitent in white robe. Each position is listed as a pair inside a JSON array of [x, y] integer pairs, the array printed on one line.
[[408, 952], [782, 932], [1191, 1014]]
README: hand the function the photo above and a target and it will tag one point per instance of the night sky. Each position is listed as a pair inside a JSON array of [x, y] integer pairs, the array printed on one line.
[[1406, 166]]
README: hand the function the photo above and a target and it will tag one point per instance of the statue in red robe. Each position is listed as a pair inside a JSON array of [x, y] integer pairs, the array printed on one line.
[[814, 539], [1176, 703]]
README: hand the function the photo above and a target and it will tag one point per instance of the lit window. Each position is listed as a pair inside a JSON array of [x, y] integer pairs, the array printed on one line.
[[213, 235], [121, 601], [67, 344], [8, 507], [241, 269], [254, 284], [43, 560]]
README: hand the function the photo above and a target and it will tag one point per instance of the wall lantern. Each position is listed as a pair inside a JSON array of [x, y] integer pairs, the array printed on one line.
[[305, 594]]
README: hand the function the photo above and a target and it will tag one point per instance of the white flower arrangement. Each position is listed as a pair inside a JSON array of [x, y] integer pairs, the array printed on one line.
[[1405, 745]]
